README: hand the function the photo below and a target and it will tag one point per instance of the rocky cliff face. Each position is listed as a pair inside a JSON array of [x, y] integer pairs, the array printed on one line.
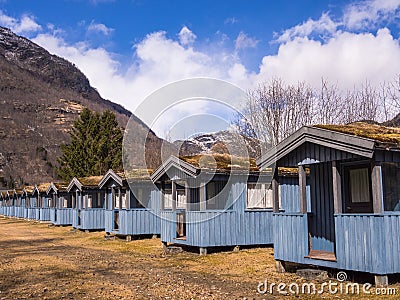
[[40, 97]]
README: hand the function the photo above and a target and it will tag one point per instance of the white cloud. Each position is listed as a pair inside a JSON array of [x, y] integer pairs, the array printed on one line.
[[160, 60], [186, 36], [347, 58], [321, 26], [243, 41], [361, 15], [100, 28], [26, 24], [231, 20]]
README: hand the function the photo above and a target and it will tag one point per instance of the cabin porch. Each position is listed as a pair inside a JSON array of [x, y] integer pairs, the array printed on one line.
[[127, 215], [88, 210], [215, 215]]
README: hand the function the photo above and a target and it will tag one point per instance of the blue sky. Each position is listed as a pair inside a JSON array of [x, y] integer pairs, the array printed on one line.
[[129, 49]]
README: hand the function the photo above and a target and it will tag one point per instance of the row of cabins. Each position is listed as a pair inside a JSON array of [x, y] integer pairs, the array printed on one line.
[[327, 196]]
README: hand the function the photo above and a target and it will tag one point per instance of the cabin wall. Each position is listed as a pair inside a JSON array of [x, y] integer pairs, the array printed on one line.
[[90, 219], [44, 214], [290, 195], [138, 221], [61, 216], [368, 242], [309, 153]]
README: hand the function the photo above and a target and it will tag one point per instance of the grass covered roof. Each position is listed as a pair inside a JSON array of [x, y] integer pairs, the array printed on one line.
[[375, 132], [221, 162], [90, 180]]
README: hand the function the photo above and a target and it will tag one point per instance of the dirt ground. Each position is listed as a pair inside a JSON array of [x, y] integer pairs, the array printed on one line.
[[42, 262]]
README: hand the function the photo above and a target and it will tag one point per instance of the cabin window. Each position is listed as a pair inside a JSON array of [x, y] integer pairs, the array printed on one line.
[[391, 186], [123, 200], [167, 195], [89, 201], [116, 199], [135, 195], [258, 196], [217, 196], [64, 202], [181, 199], [359, 185]]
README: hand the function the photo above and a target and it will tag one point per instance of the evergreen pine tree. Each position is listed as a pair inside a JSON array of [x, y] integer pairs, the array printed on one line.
[[95, 146]]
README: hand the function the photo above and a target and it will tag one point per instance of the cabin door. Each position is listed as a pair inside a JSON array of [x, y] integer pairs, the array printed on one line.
[[321, 224], [181, 203], [358, 194]]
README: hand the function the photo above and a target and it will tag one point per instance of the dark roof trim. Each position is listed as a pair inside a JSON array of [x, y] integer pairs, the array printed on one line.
[[341, 141], [174, 161], [110, 175]]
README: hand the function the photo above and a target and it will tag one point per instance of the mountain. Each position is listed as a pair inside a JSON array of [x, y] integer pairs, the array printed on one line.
[[395, 122], [41, 95], [225, 141]]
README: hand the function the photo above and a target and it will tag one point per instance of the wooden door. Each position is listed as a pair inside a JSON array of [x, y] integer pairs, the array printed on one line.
[[180, 225]]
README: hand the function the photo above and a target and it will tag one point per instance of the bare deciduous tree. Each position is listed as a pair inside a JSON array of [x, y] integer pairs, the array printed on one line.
[[274, 110]]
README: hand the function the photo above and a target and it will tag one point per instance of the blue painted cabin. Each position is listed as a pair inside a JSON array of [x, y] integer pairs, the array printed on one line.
[[60, 204], [32, 203], [20, 204], [214, 201], [352, 220], [88, 203], [2, 202], [44, 203], [132, 204], [8, 203]]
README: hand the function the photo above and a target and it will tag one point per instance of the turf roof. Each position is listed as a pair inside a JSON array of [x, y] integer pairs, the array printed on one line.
[[376, 132]]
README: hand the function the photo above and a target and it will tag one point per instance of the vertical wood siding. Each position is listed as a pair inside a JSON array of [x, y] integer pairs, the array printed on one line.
[[168, 226], [368, 242], [44, 214], [309, 153], [61, 216], [91, 219], [290, 237]]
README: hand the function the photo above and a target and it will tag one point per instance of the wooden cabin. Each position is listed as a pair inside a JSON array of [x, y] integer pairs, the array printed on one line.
[[20, 204], [60, 204], [353, 219], [8, 203], [32, 202], [214, 201], [88, 203], [44, 202], [2, 207], [132, 204]]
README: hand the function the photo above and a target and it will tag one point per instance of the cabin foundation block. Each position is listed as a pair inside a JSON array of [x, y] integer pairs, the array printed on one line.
[[203, 251], [87, 231], [236, 249], [280, 267], [165, 247], [154, 236], [312, 274], [128, 238], [381, 280]]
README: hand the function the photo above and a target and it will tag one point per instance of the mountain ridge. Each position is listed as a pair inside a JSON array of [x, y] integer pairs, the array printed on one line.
[[41, 96]]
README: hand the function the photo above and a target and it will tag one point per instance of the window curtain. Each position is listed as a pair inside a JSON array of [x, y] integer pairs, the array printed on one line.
[[258, 196], [359, 185]]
